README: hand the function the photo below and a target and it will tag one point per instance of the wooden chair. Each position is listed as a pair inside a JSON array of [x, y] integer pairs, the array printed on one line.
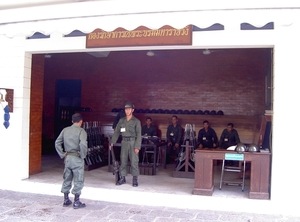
[[150, 150]]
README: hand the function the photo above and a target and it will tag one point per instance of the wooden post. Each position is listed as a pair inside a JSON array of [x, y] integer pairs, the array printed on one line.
[[186, 173]]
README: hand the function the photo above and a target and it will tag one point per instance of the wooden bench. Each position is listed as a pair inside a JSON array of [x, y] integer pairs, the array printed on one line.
[[248, 127]]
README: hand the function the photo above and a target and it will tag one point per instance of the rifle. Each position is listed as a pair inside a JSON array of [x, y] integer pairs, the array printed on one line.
[[116, 166]]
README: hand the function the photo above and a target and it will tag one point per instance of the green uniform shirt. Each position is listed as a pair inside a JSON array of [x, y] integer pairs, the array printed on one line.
[[74, 139], [131, 128]]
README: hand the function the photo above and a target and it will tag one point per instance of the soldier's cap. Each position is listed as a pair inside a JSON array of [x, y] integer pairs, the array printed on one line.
[[129, 105]]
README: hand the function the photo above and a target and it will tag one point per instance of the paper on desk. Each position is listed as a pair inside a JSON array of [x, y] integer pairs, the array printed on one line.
[[231, 148]]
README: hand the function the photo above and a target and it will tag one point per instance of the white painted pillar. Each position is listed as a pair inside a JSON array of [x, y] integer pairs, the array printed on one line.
[[15, 72], [286, 149]]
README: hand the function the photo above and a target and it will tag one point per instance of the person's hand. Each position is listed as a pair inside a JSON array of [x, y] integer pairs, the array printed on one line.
[[176, 145], [110, 146], [214, 145], [169, 143], [200, 146], [136, 150]]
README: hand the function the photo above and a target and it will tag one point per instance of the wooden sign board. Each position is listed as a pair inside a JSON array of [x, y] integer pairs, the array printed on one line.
[[9, 98], [141, 36]]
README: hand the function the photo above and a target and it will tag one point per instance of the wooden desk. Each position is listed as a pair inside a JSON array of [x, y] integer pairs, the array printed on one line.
[[259, 178], [143, 146]]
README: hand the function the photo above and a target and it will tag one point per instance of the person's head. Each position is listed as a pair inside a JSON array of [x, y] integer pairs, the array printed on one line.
[[148, 121], [205, 124], [174, 120], [129, 108], [230, 127], [77, 118]]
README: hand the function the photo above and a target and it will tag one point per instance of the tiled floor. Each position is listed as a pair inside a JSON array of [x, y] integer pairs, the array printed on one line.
[[163, 182]]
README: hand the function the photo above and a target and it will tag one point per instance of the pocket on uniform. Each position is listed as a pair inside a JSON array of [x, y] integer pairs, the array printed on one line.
[[79, 176]]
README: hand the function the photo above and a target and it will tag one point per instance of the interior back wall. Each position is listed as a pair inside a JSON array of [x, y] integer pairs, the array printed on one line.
[[231, 80]]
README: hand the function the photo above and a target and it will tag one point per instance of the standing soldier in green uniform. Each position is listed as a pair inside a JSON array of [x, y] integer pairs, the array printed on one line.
[[74, 141], [130, 129]]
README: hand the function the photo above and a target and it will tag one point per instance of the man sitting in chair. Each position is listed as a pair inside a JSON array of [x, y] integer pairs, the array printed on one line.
[[148, 129], [174, 136], [207, 137], [229, 137]]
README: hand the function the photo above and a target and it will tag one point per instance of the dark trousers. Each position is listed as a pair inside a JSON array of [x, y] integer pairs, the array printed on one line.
[[172, 152]]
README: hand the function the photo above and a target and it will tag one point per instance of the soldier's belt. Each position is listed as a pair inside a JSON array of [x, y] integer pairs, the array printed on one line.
[[125, 138], [72, 154]]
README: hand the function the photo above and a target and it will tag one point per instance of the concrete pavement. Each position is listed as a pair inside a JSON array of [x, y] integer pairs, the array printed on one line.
[[23, 206]]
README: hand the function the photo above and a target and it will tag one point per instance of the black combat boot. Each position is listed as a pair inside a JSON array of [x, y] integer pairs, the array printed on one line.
[[67, 201], [135, 181], [121, 181], [77, 204]]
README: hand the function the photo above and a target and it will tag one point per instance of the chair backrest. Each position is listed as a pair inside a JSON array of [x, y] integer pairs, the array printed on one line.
[[234, 156]]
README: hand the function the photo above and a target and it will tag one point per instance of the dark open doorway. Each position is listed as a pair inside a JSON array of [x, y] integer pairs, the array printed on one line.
[[67, 101]]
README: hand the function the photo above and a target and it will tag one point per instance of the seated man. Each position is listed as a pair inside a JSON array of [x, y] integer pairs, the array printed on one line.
[[229, 137], [207, 137], [148, 129], [174, 136]]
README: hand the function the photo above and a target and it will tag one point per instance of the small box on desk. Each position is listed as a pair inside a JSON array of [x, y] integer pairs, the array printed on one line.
[[265, 150]]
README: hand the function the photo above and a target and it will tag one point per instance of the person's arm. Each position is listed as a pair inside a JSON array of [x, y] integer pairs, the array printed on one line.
[[58, 145], [200, 138], [138, 141], [154, 131], [222, 139], [237, 138], [179, 135], [83, 144], [216, 142], [168, 135], [116, 134]]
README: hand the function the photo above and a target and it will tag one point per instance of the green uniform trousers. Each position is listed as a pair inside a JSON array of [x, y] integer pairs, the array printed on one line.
[[74, 170], [127, 150]]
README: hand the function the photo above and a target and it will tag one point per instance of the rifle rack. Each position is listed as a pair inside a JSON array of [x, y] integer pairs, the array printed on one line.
[[95, 158], [185, 169], [97, 150], [95, 166]]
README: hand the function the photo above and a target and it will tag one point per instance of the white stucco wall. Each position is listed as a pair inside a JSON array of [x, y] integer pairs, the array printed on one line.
[[15, 72], [285, 120]]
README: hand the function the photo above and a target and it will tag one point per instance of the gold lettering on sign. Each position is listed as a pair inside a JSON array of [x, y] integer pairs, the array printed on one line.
[[166, 35], [138, 33]]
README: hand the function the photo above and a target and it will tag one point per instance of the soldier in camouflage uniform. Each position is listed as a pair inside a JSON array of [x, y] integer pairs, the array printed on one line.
[[71, 145], [130, 129]]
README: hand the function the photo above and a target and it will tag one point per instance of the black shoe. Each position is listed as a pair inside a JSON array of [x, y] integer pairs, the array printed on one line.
[[77, 204], [135, 181], [121, 181], [67, 201]]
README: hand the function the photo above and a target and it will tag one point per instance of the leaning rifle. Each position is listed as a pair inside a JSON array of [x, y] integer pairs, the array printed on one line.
[[116, 166]]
